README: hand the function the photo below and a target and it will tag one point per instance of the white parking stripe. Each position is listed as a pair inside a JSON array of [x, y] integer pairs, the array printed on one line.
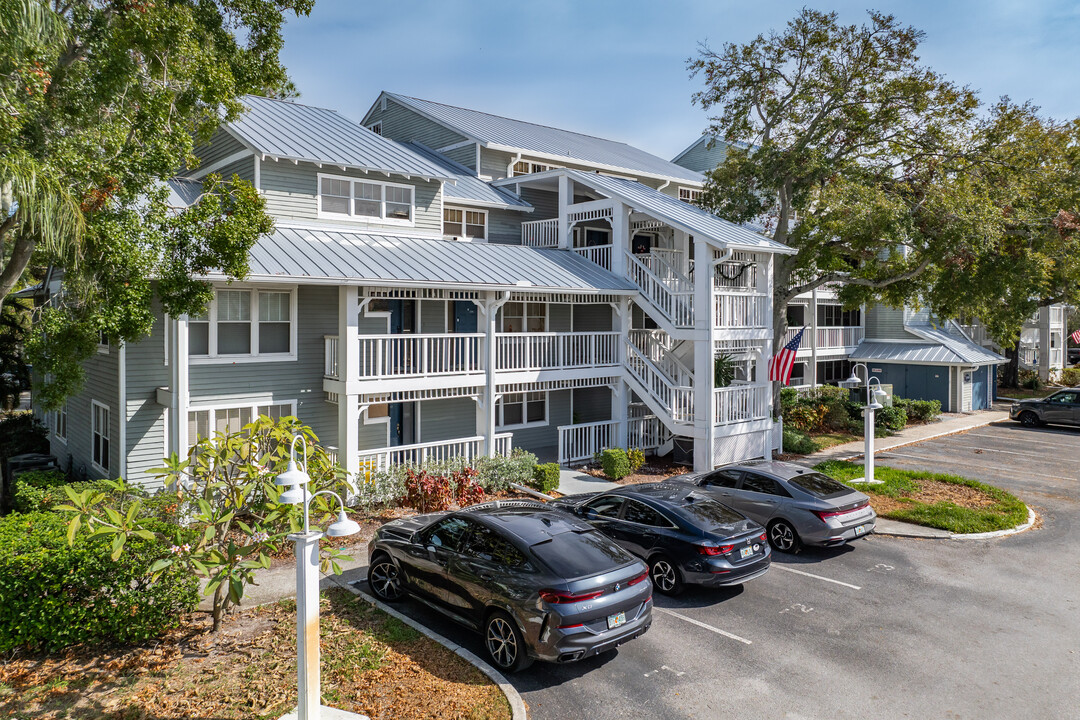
[[700, 624], [819, 577]]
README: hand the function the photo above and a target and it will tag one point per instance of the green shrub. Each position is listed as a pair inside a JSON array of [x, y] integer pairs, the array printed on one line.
[[890, 418], [56, 595], [919, 410], [43, 490], [808, 418], [545, 477], [1070, 377], [836, 417], [798, 442], [636, 458], [496, 473], [615, 463], [825, 395], [1030, 380], [788, 398]]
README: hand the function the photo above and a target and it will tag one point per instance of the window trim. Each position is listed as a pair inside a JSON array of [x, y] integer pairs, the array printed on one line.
[[63, 410], [464, 223], [351, 217], [94, 405], [251, 404], [214, 358], [376, 127], [691, 192], [500, 405], [103, 343]]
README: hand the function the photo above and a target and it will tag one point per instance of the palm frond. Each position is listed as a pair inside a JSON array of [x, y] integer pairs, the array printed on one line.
[[27, 24], [42, 206]]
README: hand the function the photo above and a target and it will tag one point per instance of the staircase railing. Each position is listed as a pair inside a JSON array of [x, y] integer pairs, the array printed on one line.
[[676, 400], [655, 345], [677, 306]]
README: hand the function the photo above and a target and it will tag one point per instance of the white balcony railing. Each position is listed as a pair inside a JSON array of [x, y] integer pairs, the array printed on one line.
[[468, 448], [383, 356], [740, 310], [839, 337], [540, 233], [645, 433], [599, 254], [553, 351], [741, 403], [580, 442], [330, 355]]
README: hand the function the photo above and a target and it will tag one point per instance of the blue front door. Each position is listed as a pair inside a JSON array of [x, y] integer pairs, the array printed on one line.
[[979, 383], [464, 316]]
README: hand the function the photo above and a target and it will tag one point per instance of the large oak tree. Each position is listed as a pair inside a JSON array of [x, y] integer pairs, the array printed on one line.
[[101, 102]]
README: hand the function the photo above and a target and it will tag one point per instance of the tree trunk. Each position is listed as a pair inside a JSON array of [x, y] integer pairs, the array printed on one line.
[[781, 280], [16, 264], [219, 607], [1010, 377]]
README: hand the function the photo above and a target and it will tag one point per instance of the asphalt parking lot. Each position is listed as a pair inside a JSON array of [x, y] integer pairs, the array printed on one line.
[[884, 628]]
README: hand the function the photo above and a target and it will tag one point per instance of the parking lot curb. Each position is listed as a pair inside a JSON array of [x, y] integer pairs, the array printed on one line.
[[999, 533], [517, 705]]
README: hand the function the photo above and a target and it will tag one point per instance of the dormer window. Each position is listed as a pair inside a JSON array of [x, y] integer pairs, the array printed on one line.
[[689, 195], [470, 224], [376, 128], [524, 167], [346, 198]]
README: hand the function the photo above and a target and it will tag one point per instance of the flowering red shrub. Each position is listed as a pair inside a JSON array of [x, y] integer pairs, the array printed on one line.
[[425, 492], [467, 489]]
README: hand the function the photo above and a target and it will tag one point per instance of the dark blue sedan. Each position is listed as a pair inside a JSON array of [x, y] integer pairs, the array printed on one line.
[[682, 534]]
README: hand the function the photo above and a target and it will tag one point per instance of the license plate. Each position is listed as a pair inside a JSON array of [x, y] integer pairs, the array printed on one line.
[[614, 621], [746, 552], [860, 529]]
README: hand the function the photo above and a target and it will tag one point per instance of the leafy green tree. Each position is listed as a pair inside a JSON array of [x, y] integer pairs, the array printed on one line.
[[856, 155], [227, 496], [101, 102]]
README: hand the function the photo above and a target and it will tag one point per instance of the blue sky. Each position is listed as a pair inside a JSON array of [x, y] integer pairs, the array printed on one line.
[[618, 68]]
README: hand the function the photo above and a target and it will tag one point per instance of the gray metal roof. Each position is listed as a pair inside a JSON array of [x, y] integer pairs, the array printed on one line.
[[468, 188], [326, 255], [183, 191], [518, 135], [677, 213], [292, 131], [943, 346]]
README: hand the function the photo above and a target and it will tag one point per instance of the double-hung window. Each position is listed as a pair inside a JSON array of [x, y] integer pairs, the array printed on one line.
[[208, 422], [60, 419], [365, 200], [523, 317], [99, 435], [522, 409], [250, 323], [689, 195], [470, 224], [524, 167]]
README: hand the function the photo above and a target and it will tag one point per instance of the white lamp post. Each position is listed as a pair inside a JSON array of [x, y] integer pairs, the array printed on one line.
[[872, 404], [307, 584]]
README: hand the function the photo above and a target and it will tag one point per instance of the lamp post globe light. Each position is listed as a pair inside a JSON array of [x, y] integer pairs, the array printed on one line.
[[872, 403], [309, 705]]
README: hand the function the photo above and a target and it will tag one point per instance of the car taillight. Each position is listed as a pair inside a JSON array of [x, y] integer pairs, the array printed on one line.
[[567, 627], [824, 515], [762, 537], [638, 579], [714, 549], [558, 597]]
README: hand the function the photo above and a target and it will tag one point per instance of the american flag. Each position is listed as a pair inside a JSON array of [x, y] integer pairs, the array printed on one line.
[[782, 362], [1075, 337]]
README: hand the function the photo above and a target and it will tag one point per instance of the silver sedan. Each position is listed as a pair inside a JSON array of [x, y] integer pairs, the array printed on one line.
[[796, 505]]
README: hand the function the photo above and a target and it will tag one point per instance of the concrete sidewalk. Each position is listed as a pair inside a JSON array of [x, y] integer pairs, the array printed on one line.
[[907, 436], [572, 482]]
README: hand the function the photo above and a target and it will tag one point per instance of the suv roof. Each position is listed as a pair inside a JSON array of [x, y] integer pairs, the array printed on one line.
[[528, 520]]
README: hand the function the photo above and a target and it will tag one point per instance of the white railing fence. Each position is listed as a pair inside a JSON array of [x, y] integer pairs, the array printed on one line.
[[829, 337], [540, 233], [661, 264], [598, 254], [580, 442], [741, 403], [677, 400], [677, 307], [645, 433], [656, 345], [741, 310], [330, 355], [420, 355], [539, 351], [468, 448]]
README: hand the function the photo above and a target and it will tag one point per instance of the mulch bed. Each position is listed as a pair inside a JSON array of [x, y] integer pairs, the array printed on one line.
[[935, 491], [654, 470], [371, 664]]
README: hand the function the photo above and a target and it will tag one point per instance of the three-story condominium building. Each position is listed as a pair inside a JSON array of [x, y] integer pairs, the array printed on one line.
[[442, 282]]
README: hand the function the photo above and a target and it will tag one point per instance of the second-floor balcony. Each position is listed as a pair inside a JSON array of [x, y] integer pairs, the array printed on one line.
[[829, 338], [463, 354]]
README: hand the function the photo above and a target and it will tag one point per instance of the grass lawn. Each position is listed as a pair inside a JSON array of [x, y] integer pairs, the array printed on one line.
[[1023, 393], [372, 664], [831, 439], [949, 502]]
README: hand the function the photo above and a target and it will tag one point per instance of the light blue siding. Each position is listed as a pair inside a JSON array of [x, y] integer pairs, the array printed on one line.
[[222, 144], [504, 226], [403, 124], [102, 385], [592, 405], [447, 419], [544, 440], [466, 155]]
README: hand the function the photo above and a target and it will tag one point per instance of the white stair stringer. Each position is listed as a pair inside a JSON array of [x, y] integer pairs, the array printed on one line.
[[672, 404]]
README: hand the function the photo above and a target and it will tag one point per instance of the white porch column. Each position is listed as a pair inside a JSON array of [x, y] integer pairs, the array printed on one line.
[[620, 238], [490, 311], [704, 413], [1044, 343], [349, 372], [813, 337], [620, 397], [765, 280], [565, 200]]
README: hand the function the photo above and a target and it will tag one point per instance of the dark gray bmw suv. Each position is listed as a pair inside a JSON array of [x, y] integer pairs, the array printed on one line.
[[536, 581]]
